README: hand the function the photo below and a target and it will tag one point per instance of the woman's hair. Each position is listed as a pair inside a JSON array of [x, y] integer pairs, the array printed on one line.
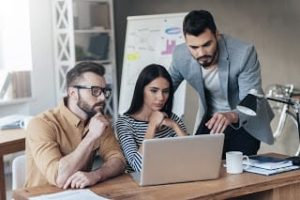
[[148, 74]]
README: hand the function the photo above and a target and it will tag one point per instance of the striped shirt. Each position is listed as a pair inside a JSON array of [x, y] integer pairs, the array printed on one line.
[[131, 134]]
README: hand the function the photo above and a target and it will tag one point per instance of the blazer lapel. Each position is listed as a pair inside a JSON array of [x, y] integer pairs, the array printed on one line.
[[198, 82], [223, 65]]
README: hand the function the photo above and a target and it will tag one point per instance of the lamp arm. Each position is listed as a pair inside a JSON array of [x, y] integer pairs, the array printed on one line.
[[289, 102]]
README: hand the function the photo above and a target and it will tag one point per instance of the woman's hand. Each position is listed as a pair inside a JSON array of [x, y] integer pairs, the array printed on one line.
[[173, 125], [156, 118], [168, 122]]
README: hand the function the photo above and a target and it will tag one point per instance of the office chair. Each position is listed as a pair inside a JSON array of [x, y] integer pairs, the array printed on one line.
[[18, 172]]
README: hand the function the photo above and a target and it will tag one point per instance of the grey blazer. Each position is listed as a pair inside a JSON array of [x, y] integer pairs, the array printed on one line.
[[239, 72]]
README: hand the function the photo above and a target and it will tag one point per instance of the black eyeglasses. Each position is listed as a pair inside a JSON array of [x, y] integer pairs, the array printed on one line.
[[96, 90]]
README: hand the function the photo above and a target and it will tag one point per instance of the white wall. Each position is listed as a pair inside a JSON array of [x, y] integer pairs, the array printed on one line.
[[43, 81], [43, 58]]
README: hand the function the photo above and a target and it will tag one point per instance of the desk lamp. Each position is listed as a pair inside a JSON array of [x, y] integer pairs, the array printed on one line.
[[248, 106]]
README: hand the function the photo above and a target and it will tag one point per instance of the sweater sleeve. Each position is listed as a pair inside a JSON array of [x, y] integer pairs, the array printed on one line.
[[179, 121], [128, 143]]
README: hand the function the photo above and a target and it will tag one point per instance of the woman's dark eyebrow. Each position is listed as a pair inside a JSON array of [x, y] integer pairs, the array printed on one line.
[[156, 88]]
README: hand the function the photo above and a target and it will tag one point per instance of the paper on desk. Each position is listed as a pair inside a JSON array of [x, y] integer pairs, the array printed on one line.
[[269, 172], [268, 162], [70, 195]]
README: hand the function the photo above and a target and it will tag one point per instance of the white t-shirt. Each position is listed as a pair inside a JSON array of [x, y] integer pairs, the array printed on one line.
[[215, 97]]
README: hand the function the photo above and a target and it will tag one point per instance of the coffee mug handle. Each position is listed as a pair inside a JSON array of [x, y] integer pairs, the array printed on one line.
[[247, 161]]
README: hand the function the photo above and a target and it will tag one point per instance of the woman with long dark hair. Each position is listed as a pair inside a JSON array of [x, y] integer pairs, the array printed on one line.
[[150, 114]]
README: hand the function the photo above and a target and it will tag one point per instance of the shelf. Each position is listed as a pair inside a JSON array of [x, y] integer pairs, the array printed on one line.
[[84, 31], [96, 61], [92, 31], [15, 101], [87, 1]]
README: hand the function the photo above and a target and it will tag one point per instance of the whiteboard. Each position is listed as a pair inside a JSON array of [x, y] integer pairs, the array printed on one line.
[[150, 39]]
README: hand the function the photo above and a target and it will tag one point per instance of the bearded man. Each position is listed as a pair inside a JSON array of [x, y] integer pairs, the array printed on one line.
[[61, 143], [222, 70]]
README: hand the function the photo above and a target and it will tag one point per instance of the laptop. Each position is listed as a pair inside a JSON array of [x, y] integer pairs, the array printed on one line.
[[180, 159]]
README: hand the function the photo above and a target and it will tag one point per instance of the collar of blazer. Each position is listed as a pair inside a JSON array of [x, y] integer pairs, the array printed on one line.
[[223, 64]]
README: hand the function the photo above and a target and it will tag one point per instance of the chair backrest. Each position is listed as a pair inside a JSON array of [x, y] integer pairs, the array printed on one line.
[[18, 172]]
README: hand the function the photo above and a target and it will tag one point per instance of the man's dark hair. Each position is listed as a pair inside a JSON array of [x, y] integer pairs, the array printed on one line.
[[197, 21], [147, 75], [75, 73]]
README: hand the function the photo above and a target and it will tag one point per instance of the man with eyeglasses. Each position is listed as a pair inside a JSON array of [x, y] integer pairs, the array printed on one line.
[[61, 143]]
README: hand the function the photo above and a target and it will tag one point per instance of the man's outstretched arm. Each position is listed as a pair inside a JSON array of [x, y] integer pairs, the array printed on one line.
[[110, 168]]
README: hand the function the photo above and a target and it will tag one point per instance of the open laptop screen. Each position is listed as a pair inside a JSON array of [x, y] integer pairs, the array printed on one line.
[[181, 159]]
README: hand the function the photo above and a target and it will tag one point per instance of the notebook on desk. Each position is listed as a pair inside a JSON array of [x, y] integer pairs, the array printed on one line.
[[180, 159]]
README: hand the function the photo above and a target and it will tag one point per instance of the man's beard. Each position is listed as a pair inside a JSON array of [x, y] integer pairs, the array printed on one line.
[[207, 63], [90, 111]]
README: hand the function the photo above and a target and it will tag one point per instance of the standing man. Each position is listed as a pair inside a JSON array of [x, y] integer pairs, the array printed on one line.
[[222, 70], [61, 143]]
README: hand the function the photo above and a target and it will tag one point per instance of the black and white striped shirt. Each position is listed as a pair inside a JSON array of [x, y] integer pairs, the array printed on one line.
[[131, 134]]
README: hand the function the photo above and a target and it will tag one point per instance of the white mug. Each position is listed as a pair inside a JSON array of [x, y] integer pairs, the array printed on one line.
[[234, 162]]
